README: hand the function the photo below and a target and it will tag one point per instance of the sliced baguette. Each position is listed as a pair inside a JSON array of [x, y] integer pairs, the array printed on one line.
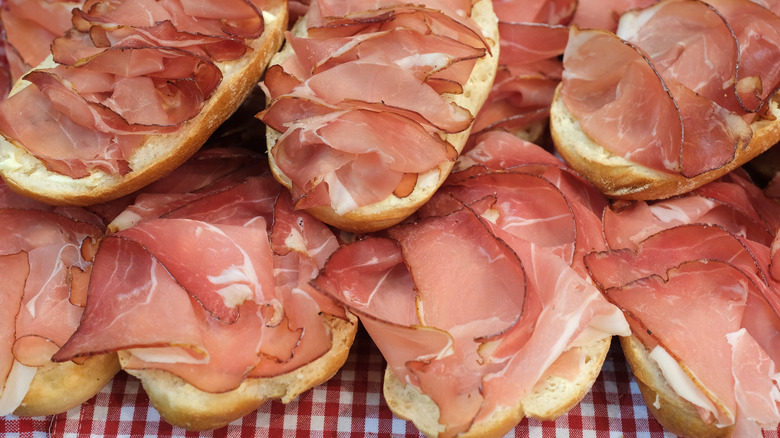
[[619, 178], [675, 414], [393, 209], [183, 405], [159, 154], [549, 400]]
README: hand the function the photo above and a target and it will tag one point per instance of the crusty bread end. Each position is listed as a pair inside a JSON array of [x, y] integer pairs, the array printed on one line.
[[159, 154], [59, 387], [549, 399], [183, 405], [393, 209]]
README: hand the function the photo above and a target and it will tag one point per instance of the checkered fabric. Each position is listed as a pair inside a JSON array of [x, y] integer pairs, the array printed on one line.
[[349, 405]]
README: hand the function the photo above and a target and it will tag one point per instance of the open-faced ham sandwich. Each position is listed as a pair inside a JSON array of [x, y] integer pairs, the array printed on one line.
[[370, 104], [684, 92], [46, 256], [696, 276], [130, 92], [201, 287], [480, 302]]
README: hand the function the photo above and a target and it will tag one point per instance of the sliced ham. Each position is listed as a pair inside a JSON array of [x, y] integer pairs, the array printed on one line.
[[598, 14], [538, 11], [604, 78], [690, 42], [758, 31], [29, 29], [17, 268]]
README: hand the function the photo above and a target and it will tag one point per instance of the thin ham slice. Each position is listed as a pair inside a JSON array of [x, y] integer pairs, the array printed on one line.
[[758, 31], [54, 244], [597, 14], [17, 267], [660, 314], [604, 79], [29, 29]]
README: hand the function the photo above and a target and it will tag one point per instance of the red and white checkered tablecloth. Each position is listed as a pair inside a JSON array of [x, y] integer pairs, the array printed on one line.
[[349, 405]]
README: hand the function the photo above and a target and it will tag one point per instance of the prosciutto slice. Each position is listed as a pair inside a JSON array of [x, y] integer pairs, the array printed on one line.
[[368, 72], [233, 260], [533, 38], [476, 299]]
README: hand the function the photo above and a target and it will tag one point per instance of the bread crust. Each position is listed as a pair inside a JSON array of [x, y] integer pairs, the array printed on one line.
[[59, 387], [549, 399], [393, 209], [183, 405], [675, 414], [159, 154], [619, 178]]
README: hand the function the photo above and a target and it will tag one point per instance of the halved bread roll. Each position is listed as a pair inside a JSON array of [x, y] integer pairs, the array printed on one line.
[[394, 208], [158, 153]]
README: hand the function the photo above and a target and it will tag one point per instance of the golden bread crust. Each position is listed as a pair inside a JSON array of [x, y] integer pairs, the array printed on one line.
[[59, 387], [549, 399], [673, 412]]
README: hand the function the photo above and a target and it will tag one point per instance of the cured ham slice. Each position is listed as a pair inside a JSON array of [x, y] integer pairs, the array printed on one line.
[[602, 78], [46, 255], [596, 14], [715, 92], [756, 29], [233, 260], [730, 202], [474, 301], [12, 292]]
